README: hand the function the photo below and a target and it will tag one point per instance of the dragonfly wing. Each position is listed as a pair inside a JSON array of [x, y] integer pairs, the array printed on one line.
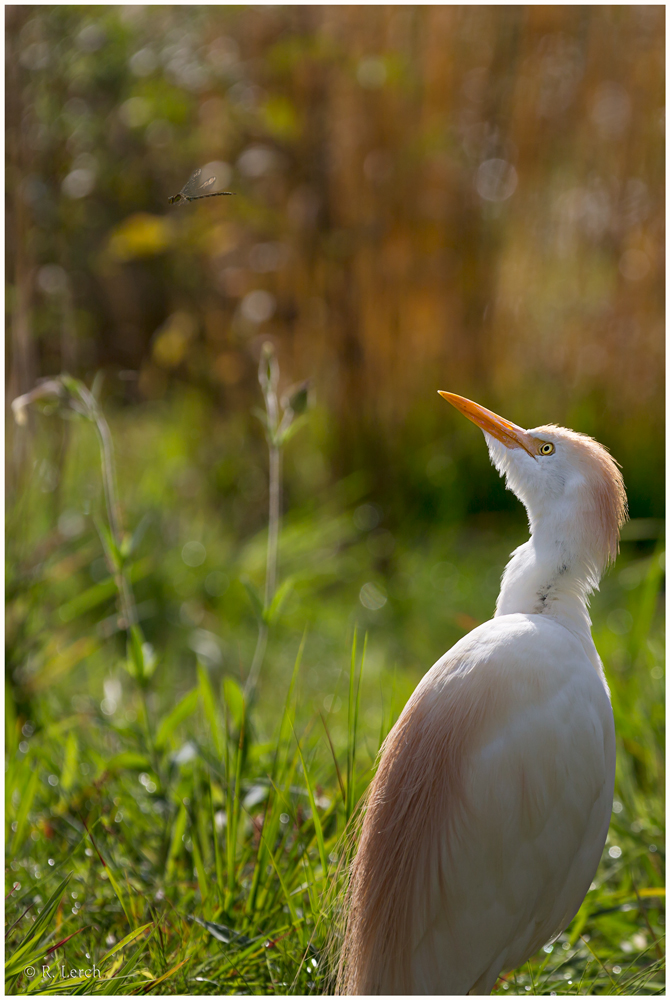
[[195, 188], [192, 184]]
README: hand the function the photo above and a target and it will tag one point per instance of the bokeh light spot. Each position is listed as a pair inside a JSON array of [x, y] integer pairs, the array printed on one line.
[[496, 180]]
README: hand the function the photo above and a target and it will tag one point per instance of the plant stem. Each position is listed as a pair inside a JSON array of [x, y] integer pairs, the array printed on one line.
[[108, 473], [274, 518], [73, 393], [273, 523], [268, 376], [123, 585], [276, 434], [128, 608], [257, 662]]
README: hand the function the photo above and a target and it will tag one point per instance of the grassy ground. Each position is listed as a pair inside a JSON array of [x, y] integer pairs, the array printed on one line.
[[163, 835]]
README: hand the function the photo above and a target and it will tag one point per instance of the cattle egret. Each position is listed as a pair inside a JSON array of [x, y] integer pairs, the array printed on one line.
[[488, 814]]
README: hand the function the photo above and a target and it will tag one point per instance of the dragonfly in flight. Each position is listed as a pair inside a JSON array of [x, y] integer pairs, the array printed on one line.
[[195, 188]]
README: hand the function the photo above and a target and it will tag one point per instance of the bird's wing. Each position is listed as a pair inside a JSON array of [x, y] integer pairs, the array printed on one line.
[[524, 832], [487, 816]]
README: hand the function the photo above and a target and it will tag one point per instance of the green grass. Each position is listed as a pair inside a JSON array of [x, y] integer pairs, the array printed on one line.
[[164, 832]]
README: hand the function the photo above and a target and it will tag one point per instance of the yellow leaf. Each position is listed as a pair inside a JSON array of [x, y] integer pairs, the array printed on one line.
[[281, 117], [172, 339], [140, 235]]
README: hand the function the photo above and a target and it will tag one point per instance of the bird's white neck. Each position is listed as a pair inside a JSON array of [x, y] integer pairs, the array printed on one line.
[[545, 577]]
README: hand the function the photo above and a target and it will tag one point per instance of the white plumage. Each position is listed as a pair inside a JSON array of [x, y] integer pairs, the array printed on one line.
[[489, 811], [526, 845]]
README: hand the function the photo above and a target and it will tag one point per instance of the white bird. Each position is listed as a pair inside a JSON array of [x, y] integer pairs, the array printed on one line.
[[488, 814]]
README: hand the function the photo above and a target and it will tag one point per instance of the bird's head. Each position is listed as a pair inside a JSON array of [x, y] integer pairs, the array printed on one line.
[[569, 484]]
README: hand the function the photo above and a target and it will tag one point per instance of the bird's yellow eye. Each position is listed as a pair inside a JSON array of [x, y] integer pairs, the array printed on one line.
[[547, 448]]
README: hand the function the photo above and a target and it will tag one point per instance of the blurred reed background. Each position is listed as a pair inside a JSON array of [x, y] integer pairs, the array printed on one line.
[[454, 197], [467, 198]]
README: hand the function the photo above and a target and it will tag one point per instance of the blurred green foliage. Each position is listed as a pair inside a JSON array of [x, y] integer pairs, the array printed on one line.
[[467, 198], [155, 776]]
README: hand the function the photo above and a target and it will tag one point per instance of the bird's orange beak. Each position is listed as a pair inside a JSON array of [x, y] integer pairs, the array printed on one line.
[[505, 431]]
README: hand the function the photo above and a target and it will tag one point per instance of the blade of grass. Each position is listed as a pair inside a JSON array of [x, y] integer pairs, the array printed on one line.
[[287, 895], [29, 947], [118, 892], [354, 706], [350, 728], [340, 782], [315, 815], [218, 861], [181, 711], [209, 706], [166, 975], [602, 966], [176, 843], [128, 969], [234, 799], [271, 816], [24, 808], [643, 914], [128, 939], [281, 803], [199, 867]]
